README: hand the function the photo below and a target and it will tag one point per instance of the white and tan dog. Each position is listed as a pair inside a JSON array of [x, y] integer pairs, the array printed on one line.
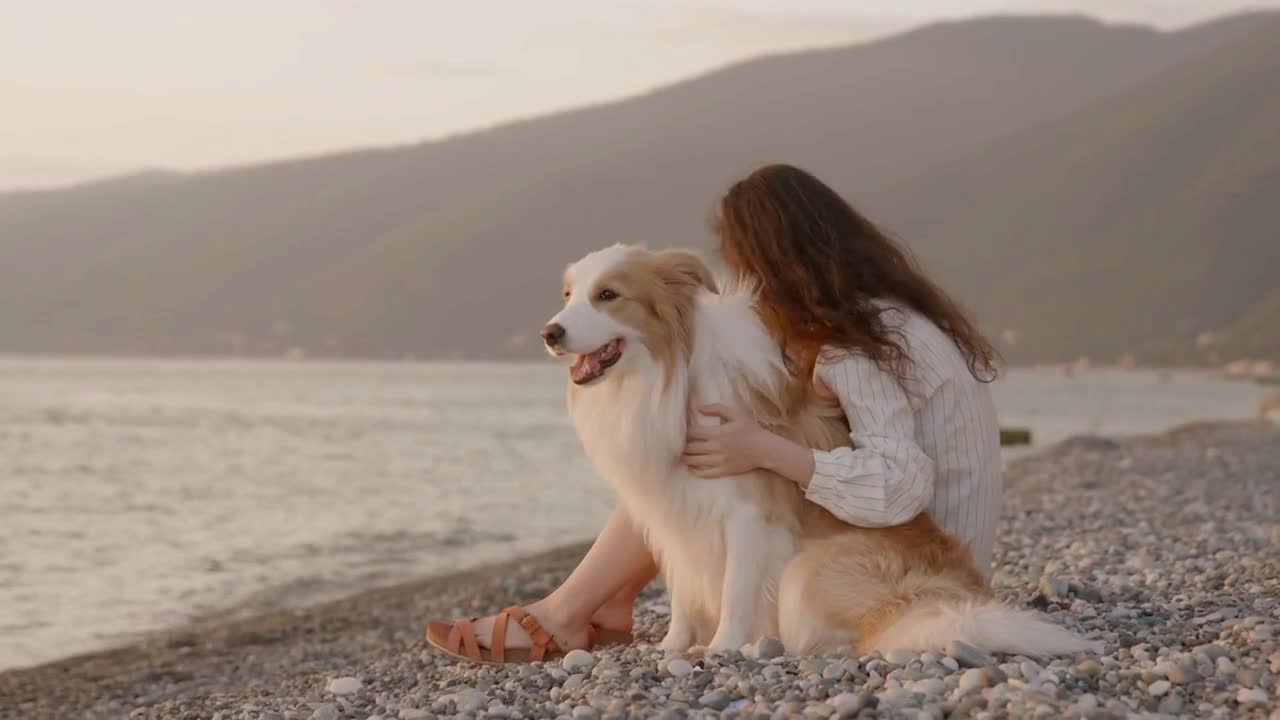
[[748, 556]]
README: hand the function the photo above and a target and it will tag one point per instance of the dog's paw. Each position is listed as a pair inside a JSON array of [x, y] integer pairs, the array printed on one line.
[[720, 645], [676, 642]]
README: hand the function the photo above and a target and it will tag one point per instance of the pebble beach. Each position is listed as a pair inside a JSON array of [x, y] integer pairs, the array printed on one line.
[[1166, 549]]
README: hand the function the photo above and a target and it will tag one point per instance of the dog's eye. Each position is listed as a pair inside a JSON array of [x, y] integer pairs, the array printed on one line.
[[606, 295]]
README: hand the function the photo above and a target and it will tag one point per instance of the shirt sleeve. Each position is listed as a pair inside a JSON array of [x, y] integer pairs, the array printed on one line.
[[885, 478]]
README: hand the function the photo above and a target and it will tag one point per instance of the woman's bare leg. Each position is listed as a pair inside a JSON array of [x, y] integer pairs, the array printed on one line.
[[601, 589]]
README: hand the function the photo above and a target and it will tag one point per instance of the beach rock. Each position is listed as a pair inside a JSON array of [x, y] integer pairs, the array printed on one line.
[[1054, 588], [1089, 667], [769, 648], [573, 682], [471, 700], [577, 661], [967, 655], [344, 686], [715, 699], [973, 679], [930, 686], [900, 657], [847, 702], [679, 667], [1224, 667], [1159, 687], [1251, 696], [326, 711], [1183, 674]]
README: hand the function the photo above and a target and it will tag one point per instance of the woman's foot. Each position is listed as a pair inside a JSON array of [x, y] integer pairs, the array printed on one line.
[[568, 632], [616, 615]]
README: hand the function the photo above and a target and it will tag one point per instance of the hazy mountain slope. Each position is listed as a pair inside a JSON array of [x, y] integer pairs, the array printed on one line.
[[454, 247], [1132, 225], [1256, 335]]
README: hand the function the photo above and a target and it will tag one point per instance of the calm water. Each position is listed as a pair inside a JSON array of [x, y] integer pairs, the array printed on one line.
[[143, 494]]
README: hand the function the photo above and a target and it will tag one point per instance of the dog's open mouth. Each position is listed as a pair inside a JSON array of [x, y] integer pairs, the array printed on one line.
[[591, 366]]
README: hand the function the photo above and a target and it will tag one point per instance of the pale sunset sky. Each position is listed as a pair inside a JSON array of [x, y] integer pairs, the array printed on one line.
[[90, 88]]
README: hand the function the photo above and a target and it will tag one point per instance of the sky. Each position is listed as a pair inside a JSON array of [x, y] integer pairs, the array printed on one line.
[[90, 88]]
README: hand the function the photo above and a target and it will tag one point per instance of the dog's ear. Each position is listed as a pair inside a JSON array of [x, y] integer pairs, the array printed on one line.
[[684, 268]]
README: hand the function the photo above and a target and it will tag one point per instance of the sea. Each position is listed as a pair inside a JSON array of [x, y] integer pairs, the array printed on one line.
[[138, 495]]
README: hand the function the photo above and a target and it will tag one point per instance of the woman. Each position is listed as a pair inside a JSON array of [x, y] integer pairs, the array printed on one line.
[[858, 321]]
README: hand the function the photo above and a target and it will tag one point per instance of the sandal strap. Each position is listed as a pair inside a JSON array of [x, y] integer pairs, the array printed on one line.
[[462, 638], [498, 638], [542, 640]]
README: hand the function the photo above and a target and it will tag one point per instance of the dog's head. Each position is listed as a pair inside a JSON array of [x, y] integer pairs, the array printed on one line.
[[626, 302]]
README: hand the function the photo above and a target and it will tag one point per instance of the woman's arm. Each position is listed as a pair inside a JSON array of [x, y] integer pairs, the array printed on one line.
[[884, 479], [740, 445]]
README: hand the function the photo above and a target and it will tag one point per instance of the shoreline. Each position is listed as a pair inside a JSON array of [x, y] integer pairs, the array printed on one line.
[[536, 360], [282, 658], [244, 613]]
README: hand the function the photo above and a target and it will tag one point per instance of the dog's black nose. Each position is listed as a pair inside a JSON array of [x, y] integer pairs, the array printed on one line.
[[552, 334]]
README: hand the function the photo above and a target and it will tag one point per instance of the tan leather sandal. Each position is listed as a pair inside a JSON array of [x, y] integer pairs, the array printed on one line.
[[459, 639]]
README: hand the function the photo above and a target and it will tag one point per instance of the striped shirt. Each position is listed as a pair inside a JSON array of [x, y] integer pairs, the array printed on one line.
[[934, 445]]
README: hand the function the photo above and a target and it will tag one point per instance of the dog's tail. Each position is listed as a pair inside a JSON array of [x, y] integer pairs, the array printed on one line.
[[990, 625]]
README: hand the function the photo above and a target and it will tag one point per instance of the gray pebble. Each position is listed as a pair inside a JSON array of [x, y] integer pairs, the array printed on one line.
[[930, 686], [1251, 696], [471, 700], [973, 679], [344, 686], [1089, 667], [769, 648], [1183, 674], [900, 657], [573, 682], [1054, 588], [715, 699], [679, 667], [968, 655], [577, 661]]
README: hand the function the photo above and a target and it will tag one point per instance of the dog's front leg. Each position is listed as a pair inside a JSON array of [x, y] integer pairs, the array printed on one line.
[[748, 555], [682, 632]]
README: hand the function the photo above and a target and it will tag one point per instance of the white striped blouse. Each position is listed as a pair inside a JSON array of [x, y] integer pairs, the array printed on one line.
[[934, 445]]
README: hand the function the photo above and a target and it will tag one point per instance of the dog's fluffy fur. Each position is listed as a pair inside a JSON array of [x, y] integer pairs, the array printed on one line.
[[748, 556]]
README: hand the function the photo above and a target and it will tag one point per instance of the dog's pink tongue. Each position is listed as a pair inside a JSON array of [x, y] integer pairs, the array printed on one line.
[[584, 368]]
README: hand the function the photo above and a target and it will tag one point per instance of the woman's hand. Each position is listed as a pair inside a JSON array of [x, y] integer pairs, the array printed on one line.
[[740, 445], [732, 448]]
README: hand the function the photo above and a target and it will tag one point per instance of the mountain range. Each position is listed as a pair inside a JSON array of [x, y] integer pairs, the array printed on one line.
[[1085, 189]]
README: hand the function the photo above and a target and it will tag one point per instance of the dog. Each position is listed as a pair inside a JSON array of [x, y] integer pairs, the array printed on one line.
[[653, 337]]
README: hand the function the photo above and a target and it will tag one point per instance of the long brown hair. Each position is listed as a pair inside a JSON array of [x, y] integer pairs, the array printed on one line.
[[819, 266]]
